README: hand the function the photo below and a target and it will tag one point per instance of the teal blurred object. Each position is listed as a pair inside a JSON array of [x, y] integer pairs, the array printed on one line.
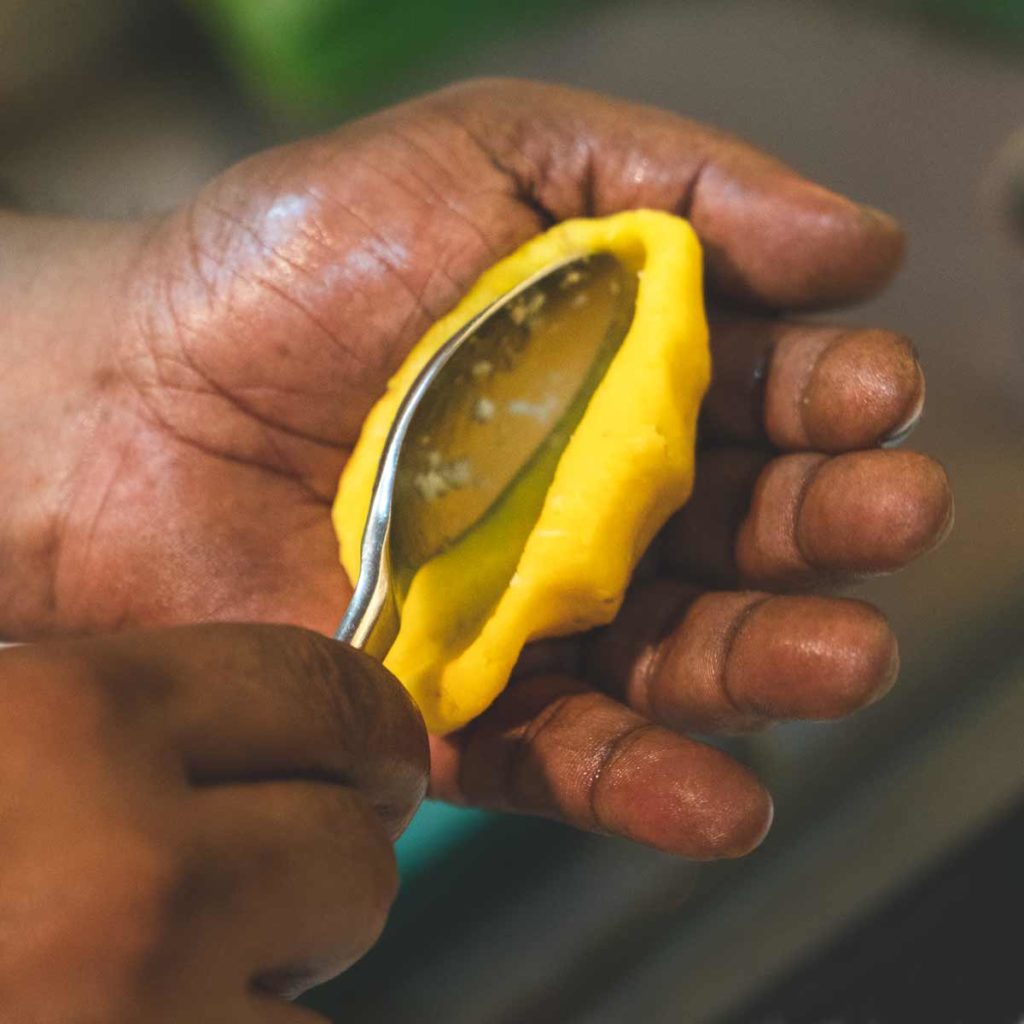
[[435, 831], [311, 58]]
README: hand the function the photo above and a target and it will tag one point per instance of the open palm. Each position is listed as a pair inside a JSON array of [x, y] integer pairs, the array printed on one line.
[[257, 325]]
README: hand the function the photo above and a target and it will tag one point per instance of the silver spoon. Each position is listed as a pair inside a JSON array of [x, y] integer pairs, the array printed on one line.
[[496, 401]]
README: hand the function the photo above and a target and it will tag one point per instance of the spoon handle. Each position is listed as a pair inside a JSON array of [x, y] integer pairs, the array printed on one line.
[[371, 620]]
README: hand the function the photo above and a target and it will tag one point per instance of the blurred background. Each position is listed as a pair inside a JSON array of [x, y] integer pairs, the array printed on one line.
[[890, 889]]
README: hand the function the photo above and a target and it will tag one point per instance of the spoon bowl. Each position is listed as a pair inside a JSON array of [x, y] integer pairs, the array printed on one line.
[[487, 416]]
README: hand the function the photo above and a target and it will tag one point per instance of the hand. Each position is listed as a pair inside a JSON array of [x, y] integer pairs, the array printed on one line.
[[232, 349], [195, 822]]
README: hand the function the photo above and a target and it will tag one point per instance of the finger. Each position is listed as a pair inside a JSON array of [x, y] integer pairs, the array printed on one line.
[[811, 387], [770, 236], [799, 520], [240, 703], [814, 517], [553, 747], [699, 542], [732, 662], [298, 878]]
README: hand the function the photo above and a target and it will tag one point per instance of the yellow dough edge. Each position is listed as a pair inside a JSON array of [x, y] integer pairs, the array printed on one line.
[[626, 469]]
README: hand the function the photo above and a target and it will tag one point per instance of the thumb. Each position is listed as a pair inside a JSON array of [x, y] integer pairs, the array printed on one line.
[[771, 237]]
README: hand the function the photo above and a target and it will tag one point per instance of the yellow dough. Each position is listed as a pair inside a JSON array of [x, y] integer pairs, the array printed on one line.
[[627, 467]]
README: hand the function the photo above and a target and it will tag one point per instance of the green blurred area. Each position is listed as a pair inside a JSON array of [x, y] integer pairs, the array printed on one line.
[[311, 59], [991, 16], [993, 22]]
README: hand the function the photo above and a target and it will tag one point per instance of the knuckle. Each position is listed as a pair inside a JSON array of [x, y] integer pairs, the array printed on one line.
[[771, 541]]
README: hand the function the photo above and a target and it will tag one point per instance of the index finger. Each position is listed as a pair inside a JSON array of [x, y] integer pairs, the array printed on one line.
[[771, 237], [248, 703]]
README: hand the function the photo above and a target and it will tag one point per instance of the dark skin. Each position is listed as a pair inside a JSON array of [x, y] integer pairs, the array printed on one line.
[[196, 823], [185, 392]]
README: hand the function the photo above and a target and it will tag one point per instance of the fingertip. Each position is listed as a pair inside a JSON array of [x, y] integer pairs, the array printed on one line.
[[808, 386], [375, 715], [940, 504], [866, 388], [684, 798], [843, 252], [865, 659], [886, 237], [758, 820], [873, 666], [741, 819], [811, 658], [778, 240], [874, 511], [850, 659]]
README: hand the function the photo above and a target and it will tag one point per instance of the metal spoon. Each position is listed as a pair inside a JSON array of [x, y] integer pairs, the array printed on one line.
[[488, 411]]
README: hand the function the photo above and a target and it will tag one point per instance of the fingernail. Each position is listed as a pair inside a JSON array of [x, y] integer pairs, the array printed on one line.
[[906, 426], [890, 223]]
